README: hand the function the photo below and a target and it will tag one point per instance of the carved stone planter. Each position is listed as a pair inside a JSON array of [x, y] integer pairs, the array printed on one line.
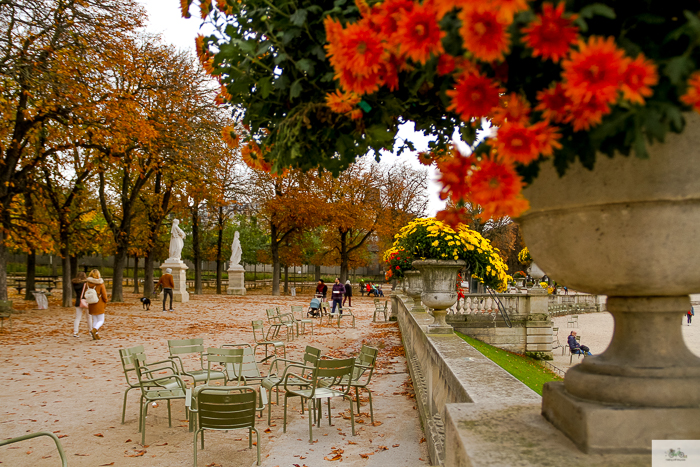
[[628, 230], [415, 288], [439, 289]]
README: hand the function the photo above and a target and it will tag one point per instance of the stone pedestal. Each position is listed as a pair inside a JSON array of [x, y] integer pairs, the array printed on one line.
[[236, 280], [179, 277]]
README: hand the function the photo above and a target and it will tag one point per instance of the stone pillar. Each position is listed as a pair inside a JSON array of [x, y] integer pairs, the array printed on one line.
[[236, 280], [394, 306], [179, 277]]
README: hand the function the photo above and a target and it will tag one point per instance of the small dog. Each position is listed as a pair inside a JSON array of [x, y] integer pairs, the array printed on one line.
[[146, 303]]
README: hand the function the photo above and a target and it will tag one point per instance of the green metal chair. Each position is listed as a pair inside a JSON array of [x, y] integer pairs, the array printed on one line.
[[61, 453], [361, 376], [277, 377], [187, 347], [128, 356], [302, 320], [226, 408], [287, 320], [155, 389], [273, 321], [380, 309], [347, 313], [332, 371], [226, 358], [259, 327]]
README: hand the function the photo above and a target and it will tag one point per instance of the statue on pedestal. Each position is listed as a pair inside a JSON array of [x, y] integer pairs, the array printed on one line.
[[177, 241], [236, 251]]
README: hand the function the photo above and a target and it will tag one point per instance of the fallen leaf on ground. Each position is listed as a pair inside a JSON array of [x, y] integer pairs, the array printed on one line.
[[105, 465], [395, 445], [99, 435], [365, 456]]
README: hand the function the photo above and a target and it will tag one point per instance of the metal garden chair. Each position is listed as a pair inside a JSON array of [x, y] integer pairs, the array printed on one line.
[[226, 358], [287, 320], [128, 356], [275, 324], [302, 320], [223, 409], [379, 309], [361, 376], [191, 347], [61, 453], [155, 389], [259, 327], [325, 370], [277, 376]]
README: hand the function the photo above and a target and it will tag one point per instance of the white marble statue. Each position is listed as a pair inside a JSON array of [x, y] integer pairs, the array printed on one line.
[[177, 241], [236, 251]]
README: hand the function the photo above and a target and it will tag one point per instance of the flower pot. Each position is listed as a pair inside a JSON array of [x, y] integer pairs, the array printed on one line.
[[415, 288], [626, 229], [439, 292]]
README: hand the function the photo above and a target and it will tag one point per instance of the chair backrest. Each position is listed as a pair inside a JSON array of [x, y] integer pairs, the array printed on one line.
[[248, 367], [325, 305], [311, 355], [258, 325], [284, 318], [226, 408], [333, 371], [367, 357], [178, 347], [232, 358], [271, 315], [298, 308], [128, 357]]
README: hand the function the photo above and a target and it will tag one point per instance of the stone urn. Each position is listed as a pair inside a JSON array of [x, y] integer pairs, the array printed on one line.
[[628, 230], [415, 288], [439, 292], [537, 274]]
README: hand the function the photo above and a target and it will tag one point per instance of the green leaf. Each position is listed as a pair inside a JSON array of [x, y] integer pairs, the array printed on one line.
[[693, 22], [282, 82], [589, 11], [296, 89], [265, 86], [290, 34], [306, 65], [280, 58], [298, 18], [640, 147], [327, 77], [678, 68]]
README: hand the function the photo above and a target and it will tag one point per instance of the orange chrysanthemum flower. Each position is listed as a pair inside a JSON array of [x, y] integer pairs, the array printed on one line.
[[554, 103], [453, 173], [512, 207], [228, 134], [506, 8], [364, 8], [484, 34], [360, 84], [425, 158], [551, 35], [594, 71], [474, 96], [453, 216], [185, 8], [356, 114], [359, 49], [390, 13], [446, 64], [513, 108], [224, 7], [547, 137], [204, 8], [493, 181], [692, 95], [584, 115], [637, 79], [342, 101], [419, 34], [517, 142]]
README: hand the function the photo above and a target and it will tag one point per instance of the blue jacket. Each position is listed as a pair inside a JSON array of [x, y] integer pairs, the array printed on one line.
[[573, 343]]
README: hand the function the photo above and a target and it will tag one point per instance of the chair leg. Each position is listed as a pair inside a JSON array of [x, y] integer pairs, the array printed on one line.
[[319, 415], [124, 406], [144, 414], [195, 447], [357, 396], [284, 424], [311, 424], [329, 411], [371, 411], [352, 418], [269, 412], [170, 420], [140, 411], [202, 439], [250, 438]]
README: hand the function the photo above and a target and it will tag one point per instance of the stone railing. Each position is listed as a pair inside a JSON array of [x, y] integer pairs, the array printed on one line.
[[572, 304], [486, 304]]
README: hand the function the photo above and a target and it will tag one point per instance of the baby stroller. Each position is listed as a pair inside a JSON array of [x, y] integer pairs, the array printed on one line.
[[314, 308]]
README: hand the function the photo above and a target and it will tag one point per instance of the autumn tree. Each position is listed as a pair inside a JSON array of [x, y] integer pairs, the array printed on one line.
[[39, 47]]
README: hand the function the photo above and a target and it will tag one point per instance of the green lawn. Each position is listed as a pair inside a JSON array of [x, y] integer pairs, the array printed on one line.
[[525, 369]]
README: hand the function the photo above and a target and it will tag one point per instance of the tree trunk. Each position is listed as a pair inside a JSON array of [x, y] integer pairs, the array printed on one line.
[[286, 279], [118, 275], [344, 256], [31, 275], [136, 274], [219, 248], [317, 272], [148, 273], [196, 251], [67, 276], [3, 265], [74, 265], [275, 253]]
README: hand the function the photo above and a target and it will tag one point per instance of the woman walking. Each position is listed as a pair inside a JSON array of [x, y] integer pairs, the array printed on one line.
[[97, 310], [79, 288], [348, 293]]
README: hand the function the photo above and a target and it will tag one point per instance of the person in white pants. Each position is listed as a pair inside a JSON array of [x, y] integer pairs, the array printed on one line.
[[79, 288]]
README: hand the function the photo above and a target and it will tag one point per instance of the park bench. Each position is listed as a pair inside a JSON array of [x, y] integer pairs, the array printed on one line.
[[40, 282]]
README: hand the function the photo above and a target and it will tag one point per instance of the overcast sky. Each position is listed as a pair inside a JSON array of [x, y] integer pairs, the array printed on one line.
[[164, 18]]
